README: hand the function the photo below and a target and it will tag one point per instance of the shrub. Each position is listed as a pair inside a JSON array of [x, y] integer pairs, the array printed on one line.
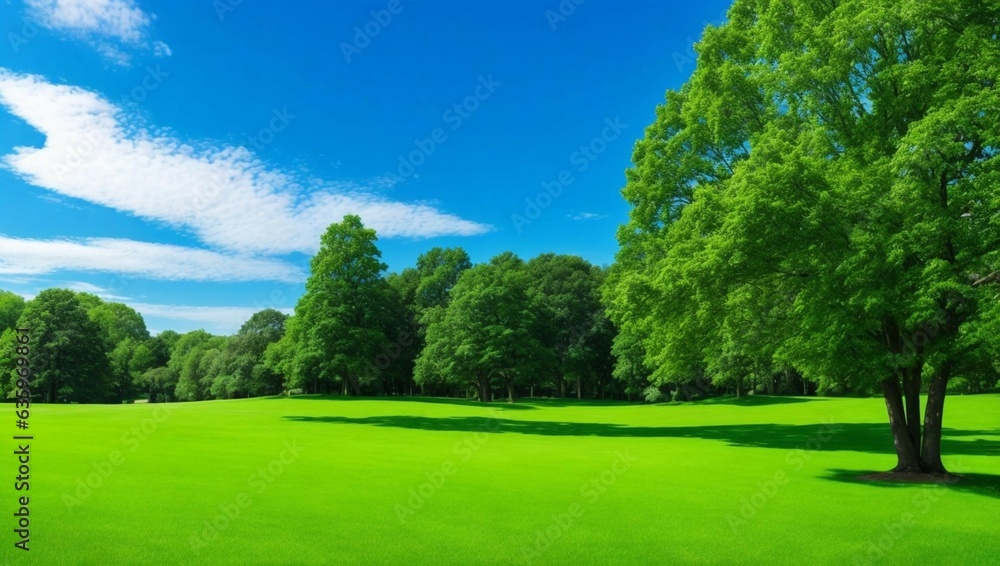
[[653, 394]]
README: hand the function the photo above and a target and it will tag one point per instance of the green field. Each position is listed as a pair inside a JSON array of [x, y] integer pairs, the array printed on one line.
[[546, 482]]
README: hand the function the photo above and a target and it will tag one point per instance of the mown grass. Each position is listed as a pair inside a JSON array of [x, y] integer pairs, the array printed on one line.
[[694, 483]]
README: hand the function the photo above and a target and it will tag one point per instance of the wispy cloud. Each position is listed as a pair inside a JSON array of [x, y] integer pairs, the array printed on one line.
[[108, 25], [84, 287], [586, 216], [226, 195], [21, 257], [218, 320]]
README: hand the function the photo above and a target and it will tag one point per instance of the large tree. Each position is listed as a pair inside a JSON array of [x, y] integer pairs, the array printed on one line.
[[342, 316], [488, 332], [822, 195], [67, 356], [570, 313]]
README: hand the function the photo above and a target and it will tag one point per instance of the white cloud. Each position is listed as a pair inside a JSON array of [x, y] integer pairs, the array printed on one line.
[[120, 19], [226, 195], [217, 320], [586, 216], [138, 259], [102, 23], [84, 287], [113, 54], [161, 49]]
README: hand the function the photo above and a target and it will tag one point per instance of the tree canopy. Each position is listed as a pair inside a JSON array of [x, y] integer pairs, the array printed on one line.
[[821, 196]]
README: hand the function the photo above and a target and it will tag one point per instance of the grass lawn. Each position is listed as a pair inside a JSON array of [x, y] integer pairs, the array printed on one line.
[[315, 480]]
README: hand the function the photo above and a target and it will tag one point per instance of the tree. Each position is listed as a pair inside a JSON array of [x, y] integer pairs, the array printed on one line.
[[67, 354], [192, 378], [11, 307], [568, 288], [487, 332], [160, 382], [438, 270], [821, 195], [343, 312], [124, 332], [251, 376]]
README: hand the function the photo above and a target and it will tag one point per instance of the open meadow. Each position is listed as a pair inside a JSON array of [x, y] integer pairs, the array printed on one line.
[[326, 480]]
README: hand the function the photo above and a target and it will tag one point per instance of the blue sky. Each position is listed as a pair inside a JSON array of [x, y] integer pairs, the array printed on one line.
[[184, 157]]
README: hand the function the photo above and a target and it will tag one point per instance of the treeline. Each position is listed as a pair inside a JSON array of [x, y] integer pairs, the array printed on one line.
[[83, 349], [444, 327]]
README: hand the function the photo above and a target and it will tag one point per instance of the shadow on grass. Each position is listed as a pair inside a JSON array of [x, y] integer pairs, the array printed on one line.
[[978, 484], [571, 402], [757, 400], [857, 437], [417, 399]]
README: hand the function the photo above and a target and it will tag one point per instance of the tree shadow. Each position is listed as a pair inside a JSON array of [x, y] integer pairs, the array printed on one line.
[[571, 402], [416, 399], [978, 484], [855, 437], [757, 400]]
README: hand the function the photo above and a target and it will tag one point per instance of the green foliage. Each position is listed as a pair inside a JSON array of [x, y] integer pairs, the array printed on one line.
[[67, 356], [343, 316], [570, 317], [488, 333], [820, 195], [11, 307]]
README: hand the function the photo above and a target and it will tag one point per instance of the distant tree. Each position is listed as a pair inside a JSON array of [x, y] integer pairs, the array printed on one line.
[[395, 365], [250, 375], [159, 382], [438, 270], [568, 288], [67, 356], [193, 379], [488, 331], [161, 346], [119, 321], [343, 313], [11, 307]]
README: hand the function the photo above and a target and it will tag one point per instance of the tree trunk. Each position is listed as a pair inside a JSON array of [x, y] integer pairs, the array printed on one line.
[[485, 393], [510, 392], [906, 452], [532, 393], [930, 457], [579, 387], [911, 395], [562, 385]]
